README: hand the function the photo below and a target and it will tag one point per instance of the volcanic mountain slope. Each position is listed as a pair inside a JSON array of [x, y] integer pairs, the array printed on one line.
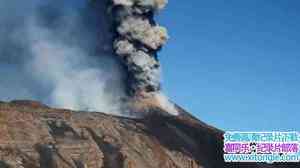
[[35, 136]]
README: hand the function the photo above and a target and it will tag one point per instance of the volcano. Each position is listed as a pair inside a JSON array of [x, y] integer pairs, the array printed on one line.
[[33, 135]]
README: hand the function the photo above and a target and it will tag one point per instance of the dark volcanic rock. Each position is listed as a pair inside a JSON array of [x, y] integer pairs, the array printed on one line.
[[35, 136]]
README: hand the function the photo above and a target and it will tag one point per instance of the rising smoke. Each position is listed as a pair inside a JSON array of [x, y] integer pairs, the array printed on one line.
[[82, 55], [138, 40]]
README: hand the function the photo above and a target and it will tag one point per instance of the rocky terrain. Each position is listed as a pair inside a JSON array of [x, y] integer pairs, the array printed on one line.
[[33, 135]]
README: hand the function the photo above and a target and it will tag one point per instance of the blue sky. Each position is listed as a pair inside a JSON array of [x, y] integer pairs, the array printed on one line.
[[235, 64]]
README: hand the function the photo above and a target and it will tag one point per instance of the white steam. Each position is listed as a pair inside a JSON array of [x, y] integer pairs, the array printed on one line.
[[54, 55], [76, 83]]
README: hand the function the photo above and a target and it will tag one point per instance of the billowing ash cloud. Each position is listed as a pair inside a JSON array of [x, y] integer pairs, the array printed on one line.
[[139, 38], [59, 53], [85, 55]]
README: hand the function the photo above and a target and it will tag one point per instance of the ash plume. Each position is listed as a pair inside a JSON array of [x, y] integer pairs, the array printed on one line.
[[96, 55], [138, 40]]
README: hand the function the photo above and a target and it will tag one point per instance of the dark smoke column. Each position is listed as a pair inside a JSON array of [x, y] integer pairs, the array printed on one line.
[[137, 42]]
